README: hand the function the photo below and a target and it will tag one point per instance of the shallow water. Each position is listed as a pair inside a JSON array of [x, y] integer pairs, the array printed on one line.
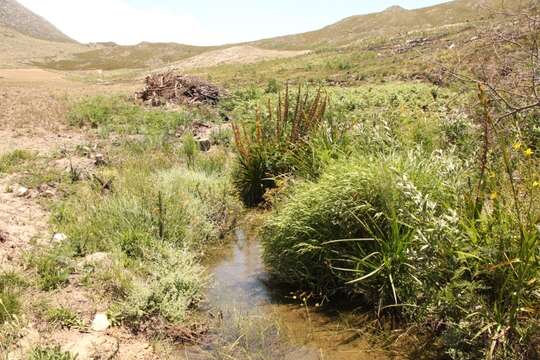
[[260, 323]]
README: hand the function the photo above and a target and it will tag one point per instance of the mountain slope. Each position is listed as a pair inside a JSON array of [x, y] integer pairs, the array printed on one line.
[[18, 50], [391, 21], [15, 16]]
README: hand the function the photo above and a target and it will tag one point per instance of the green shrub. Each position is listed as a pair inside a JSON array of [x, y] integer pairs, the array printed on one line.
[[272, 87], [270, 147], [190, 148], [10, 305], [162, 292], [369, 228], [64, 318], [9, 161], [53, 268]]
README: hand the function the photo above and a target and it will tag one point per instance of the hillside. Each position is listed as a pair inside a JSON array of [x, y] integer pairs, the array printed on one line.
[[15, 16], [363, 31], [392, 21], [112, 56], [18, 50]]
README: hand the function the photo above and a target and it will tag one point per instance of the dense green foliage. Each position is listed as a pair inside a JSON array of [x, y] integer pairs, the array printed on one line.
[[153, 209], [381, 219], [398, 224]]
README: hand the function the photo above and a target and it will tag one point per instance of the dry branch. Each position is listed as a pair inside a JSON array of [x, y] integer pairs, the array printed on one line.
[[170, 88]]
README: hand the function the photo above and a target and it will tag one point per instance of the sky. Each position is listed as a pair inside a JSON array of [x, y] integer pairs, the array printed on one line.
[[200, 22]]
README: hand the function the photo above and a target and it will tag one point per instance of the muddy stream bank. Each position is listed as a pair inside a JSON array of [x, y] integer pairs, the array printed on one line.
[[260, 322]]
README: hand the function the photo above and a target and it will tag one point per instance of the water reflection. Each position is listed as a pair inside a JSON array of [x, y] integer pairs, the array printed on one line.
[[258, 322]]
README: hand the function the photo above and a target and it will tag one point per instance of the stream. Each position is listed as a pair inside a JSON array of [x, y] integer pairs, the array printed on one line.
[[257, 322]]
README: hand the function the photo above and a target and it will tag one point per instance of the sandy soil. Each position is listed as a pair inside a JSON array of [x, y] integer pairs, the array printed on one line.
[[235, 55]]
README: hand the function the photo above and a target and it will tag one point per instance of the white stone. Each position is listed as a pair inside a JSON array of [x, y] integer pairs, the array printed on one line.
[[100, 323], [22, 191], [59, 237]]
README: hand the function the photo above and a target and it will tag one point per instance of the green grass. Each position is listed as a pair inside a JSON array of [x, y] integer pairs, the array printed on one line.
[[64, 318], [167, 203], [53, 269], [11, 161], [50, 353], [10, 301], [361, 228], [118, 114]]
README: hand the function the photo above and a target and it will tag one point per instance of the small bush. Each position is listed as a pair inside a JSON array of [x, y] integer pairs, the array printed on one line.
[[10, 304], [165, 293], [53, 269], [272, 87], [64, 318], [190, 148], [10, 160], [368, 228], [270, 148]]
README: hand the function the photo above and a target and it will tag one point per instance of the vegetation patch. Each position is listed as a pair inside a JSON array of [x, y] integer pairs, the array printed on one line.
[[11, 161]]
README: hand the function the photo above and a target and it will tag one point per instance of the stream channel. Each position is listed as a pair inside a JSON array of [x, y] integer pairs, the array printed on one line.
[[260, 323]]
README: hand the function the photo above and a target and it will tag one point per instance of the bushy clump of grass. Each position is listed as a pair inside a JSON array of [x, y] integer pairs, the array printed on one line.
[[369, 228], [162, 292], [53, 268], [50, 353], [64, 317], [10, 304], [117, 113], [275, 144], [190, 148], [11, 160], [154, 223], [170, 206]]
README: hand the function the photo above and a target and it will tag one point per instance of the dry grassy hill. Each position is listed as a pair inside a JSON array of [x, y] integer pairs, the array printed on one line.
[[15, 16], [23, 34], [112, 56], [18, 50], [390, 22]]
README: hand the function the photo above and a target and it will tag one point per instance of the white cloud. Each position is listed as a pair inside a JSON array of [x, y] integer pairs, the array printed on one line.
[[118, 21]]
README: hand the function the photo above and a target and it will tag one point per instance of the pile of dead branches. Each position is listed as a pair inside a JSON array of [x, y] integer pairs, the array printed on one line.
[[170, 88]]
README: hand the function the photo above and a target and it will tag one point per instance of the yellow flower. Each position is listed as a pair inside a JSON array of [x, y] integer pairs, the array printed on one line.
[[517, 146], [536, 184], [528, 152], [493, 196]]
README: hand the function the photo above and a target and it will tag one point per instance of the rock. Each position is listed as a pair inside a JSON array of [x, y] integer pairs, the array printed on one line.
[[59, 237], [102, 259], [100, 322], [204, 144], [48, 193], [93, 347], [22, 191], [99, 160]]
